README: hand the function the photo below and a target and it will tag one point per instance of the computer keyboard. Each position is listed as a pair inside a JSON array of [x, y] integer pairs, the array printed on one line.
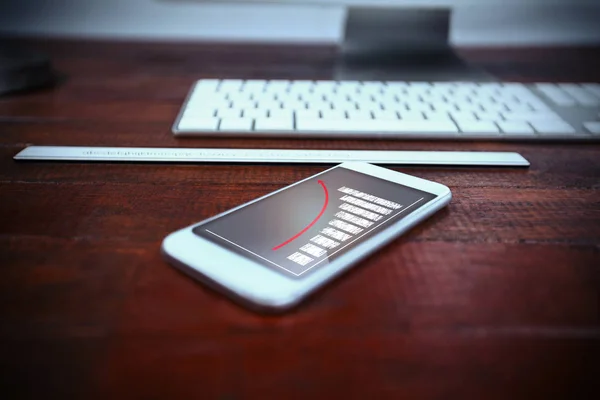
[[395, 110]]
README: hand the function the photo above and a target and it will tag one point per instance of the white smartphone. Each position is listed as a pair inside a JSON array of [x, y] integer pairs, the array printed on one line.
[[272, 252]]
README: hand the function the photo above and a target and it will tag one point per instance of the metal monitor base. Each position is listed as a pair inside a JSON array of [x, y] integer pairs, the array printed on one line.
[[401, 45]]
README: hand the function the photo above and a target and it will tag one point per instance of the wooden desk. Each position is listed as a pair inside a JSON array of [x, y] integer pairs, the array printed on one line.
[[496, 297]]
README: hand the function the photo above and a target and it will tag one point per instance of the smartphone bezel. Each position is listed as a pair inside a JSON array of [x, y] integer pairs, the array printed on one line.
[[259, 287]]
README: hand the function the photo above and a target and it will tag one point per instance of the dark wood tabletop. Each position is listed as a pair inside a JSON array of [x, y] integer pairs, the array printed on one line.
[[495, 297]]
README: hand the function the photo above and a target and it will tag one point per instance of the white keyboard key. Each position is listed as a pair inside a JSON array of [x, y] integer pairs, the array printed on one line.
[[478, 127], [301, 89], [464, 89], [294, 105], [347, 107], [556, 95], [230, 85], [285, 96], [277, 86], [387, 97], [207, 99], [354, 126], [531, 116], [462, 116], [318, 105], [553, 127], [436, 115], [348, 87], [336, 98], [466, 106], [515, 127], [281, 114], [488, 115], [308, 114], [531, 99], [581, 95], [255, 113], [441, 87], [406, 94], [593, 88], [324, 88], [375, 88], [391, 105], [244, 105], [395, 107], [363, 98], [236, 124], [269, 105], [263, 97], [491, 106], [433, 97], [513, 106], [333, 114], [412, 115], [254, 85], [420, 107], [360, 114], [593, 127], [411, 95], [198, 124], [443, 106], [239, 96], [539, 107], [273, 124], [385, 114], [229, 112]]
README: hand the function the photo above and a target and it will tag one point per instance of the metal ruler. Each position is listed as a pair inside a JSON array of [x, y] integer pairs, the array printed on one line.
[[203, 155]]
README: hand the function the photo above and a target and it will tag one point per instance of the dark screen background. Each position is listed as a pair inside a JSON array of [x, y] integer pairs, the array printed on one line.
[[253, 231]]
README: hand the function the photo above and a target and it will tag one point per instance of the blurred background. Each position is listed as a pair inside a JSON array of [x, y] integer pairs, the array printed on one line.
[[486, 23]]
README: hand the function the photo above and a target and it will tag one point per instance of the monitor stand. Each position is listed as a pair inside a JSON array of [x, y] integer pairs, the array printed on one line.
[[401, 45]]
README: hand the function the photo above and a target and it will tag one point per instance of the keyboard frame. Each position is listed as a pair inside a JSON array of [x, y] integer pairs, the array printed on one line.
[[574, 115]]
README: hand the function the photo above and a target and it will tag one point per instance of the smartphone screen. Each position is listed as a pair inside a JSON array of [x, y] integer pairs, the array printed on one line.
[[309, 225]]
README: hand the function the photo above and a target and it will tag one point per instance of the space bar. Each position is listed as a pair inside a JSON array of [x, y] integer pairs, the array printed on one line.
[[348, 125]]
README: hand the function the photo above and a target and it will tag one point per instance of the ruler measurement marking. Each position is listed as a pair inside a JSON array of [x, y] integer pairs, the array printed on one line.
[[146, 154]]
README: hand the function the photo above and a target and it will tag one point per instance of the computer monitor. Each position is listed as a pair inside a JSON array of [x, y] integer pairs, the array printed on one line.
[[396, 39], [406, 39], [395, 3]]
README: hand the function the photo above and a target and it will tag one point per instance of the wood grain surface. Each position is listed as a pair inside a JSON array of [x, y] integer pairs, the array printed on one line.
[[495, 297]]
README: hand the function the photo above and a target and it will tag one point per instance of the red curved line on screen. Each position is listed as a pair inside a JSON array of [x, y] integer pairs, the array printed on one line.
[[296, 236]]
